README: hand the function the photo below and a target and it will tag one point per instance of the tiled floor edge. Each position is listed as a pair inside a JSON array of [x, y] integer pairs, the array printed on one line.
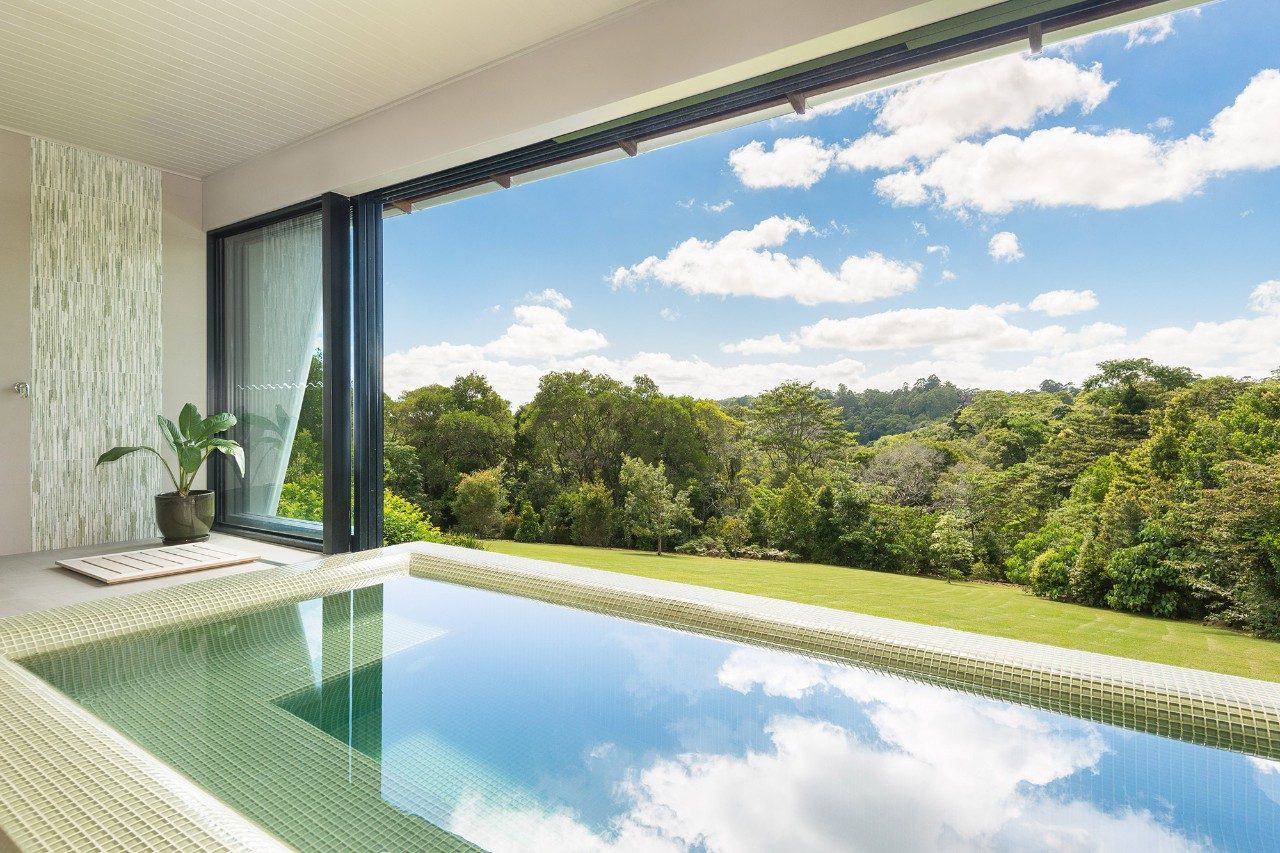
[[69, 782], [1223, 711], [50, 630]]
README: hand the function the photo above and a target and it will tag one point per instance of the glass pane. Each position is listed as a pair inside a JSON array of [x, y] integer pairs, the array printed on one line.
[[274, 289]]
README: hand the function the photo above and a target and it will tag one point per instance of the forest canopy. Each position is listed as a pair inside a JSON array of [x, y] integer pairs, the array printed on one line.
[[1147, 489]]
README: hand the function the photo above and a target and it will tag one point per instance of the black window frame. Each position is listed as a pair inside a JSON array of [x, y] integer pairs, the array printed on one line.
[[334, 534]]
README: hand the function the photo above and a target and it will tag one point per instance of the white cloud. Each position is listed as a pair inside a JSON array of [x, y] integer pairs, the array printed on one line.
[[920, 120], [1151, 31], [741, 264], [948, 275], [920, 228], [1004, 247], [669, 314], [944, 251], [1163, 123], [517, 381], [1115, 170], [768, 345], [799, 161], [1265, 298], [719, 207], [1061, 303], [543, 332], [551, 297], [943, 330], [686, 203]]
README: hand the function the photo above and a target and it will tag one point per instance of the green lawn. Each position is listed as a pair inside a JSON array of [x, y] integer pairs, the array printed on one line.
[[985, 608]]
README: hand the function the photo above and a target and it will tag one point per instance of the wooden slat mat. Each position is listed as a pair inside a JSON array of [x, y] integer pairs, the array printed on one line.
[[155, 562]]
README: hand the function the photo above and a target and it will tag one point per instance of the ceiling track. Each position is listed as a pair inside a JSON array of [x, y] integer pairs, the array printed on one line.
[[789, 88]]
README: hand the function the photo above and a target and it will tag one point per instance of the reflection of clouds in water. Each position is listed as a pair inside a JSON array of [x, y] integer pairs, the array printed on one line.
[[951, 772], [1267, 774]]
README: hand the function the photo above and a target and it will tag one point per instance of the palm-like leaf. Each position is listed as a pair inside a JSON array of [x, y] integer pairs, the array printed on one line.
[[192, 440], [189, 421]]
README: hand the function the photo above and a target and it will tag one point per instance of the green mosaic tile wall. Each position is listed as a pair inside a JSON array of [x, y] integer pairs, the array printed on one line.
[[95, 344]]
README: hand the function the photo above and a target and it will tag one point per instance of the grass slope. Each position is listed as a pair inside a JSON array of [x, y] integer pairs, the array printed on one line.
[[1003, 611]]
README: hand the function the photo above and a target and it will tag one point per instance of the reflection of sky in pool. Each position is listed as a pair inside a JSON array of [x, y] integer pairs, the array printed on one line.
[[579, 731]]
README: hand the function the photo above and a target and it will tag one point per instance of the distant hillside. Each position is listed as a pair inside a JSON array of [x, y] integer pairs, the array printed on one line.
[[873, 414]]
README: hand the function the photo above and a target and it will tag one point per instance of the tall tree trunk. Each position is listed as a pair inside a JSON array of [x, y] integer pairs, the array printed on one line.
[[659, 544]]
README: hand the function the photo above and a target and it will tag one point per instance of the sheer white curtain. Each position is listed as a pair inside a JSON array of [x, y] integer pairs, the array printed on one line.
[[276, 305]]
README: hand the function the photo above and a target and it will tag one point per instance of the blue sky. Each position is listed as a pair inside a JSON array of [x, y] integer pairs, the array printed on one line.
[[1000, 224]]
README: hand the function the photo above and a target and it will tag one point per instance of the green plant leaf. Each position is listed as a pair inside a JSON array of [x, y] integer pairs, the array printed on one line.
[[189, 459], [235, 452], [117, 452], [189, 421], [170, 432], [213, 425]]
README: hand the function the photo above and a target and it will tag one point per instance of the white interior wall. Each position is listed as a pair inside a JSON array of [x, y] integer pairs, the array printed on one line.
[[15, 342], [659, 53]]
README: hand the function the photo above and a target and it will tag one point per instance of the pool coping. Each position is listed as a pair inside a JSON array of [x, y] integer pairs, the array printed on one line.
[[69, 781]]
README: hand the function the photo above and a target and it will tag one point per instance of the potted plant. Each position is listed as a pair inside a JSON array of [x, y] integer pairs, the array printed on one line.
[[184, 515]]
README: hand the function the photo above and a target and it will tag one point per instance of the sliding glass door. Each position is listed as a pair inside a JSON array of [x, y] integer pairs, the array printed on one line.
[[279, 356]]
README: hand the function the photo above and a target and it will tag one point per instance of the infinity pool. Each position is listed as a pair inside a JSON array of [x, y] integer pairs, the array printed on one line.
[[425, 715]]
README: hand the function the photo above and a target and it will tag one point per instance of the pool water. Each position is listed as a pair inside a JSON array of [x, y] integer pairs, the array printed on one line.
[[426, 715]]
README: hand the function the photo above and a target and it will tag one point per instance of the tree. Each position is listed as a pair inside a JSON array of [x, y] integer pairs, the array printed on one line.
[[791, 523], [796, 428], [592, 514], [401, 472], [479, 500], [910, 469], [455, 429], [951, 546], [653, 509]]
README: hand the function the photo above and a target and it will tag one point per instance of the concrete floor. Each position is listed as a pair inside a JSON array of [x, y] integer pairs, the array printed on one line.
[[35, 581]]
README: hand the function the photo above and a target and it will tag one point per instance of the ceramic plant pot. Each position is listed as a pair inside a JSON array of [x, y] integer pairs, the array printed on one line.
[[184, 518]]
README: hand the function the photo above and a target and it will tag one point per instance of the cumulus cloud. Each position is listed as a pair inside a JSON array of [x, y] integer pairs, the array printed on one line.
[[1004, 247], [543, 332], [551, 297], [742, 264], [1151, 31], [792, 162], [517, 381], [979, 346], [1110, 171], [1265, 298], [1061, 303], [920, 120], [768, 345]]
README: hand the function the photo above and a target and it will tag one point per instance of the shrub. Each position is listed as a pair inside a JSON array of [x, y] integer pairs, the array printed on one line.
[[591, 514], [404, 521], [528, 526], [478, 502]]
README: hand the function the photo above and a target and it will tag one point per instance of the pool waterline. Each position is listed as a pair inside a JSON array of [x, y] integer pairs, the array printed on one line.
[[1144, 696]]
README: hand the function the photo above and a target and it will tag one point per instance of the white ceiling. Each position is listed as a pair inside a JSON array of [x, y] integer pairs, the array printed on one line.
[[193, 87]]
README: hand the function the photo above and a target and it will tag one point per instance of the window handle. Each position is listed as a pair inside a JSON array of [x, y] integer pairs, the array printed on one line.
[[22, 389]]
